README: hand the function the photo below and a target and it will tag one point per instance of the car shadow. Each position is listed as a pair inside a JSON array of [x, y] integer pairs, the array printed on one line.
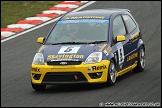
[[84, 87], [70, 88]]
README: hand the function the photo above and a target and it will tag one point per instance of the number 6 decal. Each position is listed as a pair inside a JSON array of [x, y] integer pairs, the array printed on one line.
[[120, 53], [69, 49]]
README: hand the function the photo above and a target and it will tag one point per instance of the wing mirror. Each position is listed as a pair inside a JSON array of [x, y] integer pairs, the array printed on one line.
[[40, 40], [120, 38]]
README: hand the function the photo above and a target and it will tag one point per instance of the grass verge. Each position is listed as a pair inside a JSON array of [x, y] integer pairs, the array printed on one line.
[[13, 11]]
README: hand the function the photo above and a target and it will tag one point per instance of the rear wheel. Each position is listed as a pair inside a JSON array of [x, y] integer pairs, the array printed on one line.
[[141, 60], [38, 87], [111, 78]]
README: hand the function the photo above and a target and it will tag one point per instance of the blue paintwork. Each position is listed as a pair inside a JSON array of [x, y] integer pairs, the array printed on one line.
[[86, 49], [54, 49]]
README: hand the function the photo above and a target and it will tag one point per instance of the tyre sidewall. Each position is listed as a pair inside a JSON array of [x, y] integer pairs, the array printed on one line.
[[109, 80]]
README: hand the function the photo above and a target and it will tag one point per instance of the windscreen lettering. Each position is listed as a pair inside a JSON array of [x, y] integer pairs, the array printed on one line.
[[83, 21], [84, 17]]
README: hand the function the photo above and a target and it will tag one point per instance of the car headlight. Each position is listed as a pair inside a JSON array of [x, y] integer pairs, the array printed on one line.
[[38, 58], [94, 57]]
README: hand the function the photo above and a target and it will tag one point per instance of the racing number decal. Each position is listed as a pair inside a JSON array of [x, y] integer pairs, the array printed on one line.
[[120, 53], [68, 49]]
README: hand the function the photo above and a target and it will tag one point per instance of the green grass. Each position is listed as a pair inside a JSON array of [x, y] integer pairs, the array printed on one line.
[[13, 11]]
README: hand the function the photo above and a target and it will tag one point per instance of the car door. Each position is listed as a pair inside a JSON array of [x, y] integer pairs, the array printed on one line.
[[124, 48], [132, 36]]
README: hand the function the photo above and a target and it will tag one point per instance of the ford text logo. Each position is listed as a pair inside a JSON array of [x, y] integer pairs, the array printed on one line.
[[63, 63]]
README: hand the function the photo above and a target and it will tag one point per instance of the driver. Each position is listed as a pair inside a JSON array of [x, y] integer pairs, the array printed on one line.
[[72, 30]]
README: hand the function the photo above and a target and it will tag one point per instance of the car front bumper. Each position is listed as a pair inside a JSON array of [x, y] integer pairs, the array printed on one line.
[[70, 74]]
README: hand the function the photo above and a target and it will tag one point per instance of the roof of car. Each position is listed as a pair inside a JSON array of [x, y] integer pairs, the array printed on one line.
[[93, 13]]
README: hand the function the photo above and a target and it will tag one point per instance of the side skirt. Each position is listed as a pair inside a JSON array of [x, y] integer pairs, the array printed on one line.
[[126, 69]]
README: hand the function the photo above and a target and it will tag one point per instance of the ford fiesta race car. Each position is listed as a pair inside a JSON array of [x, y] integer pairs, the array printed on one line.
[[92, 46]]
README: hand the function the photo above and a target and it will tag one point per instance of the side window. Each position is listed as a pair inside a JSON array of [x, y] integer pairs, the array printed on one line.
[[129, 23], [118, 27]]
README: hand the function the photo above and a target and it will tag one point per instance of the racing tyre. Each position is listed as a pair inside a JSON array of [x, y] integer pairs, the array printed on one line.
[[141, 60], [111, 78], [38, 87]]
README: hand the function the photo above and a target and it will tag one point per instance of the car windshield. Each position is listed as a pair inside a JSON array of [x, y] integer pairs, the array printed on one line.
[[79, 31]]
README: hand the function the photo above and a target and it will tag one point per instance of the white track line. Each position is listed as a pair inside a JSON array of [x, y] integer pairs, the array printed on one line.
[[48, 22]]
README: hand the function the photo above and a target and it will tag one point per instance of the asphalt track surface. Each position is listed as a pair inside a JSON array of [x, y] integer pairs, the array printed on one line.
[[17, 55]]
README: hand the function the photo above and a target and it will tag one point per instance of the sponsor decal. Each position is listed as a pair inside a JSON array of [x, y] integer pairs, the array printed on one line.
[[84, 17], [68, 49], [36, 69], [64, 56], [107, 50], [65, 60], [90, 68], [135, 36], [98, 67], [83, 21], [132, 56], [102, 47]]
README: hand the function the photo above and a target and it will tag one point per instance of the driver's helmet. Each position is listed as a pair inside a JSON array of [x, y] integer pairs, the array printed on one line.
[[72, 28]]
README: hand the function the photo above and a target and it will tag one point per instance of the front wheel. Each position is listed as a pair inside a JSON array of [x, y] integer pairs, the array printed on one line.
[[38, 87], [111, 77], [141, 61]]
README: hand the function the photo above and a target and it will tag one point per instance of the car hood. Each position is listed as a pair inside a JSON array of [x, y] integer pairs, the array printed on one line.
[[69, 52]]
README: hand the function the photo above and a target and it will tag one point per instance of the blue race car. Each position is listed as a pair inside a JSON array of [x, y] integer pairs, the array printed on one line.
[[92, 46]]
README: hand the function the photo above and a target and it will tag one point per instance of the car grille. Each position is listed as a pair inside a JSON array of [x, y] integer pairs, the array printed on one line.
[[64, 63], [64, 77]]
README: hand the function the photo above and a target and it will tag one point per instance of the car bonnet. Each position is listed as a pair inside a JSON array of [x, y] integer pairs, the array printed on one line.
[[69, 52]]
